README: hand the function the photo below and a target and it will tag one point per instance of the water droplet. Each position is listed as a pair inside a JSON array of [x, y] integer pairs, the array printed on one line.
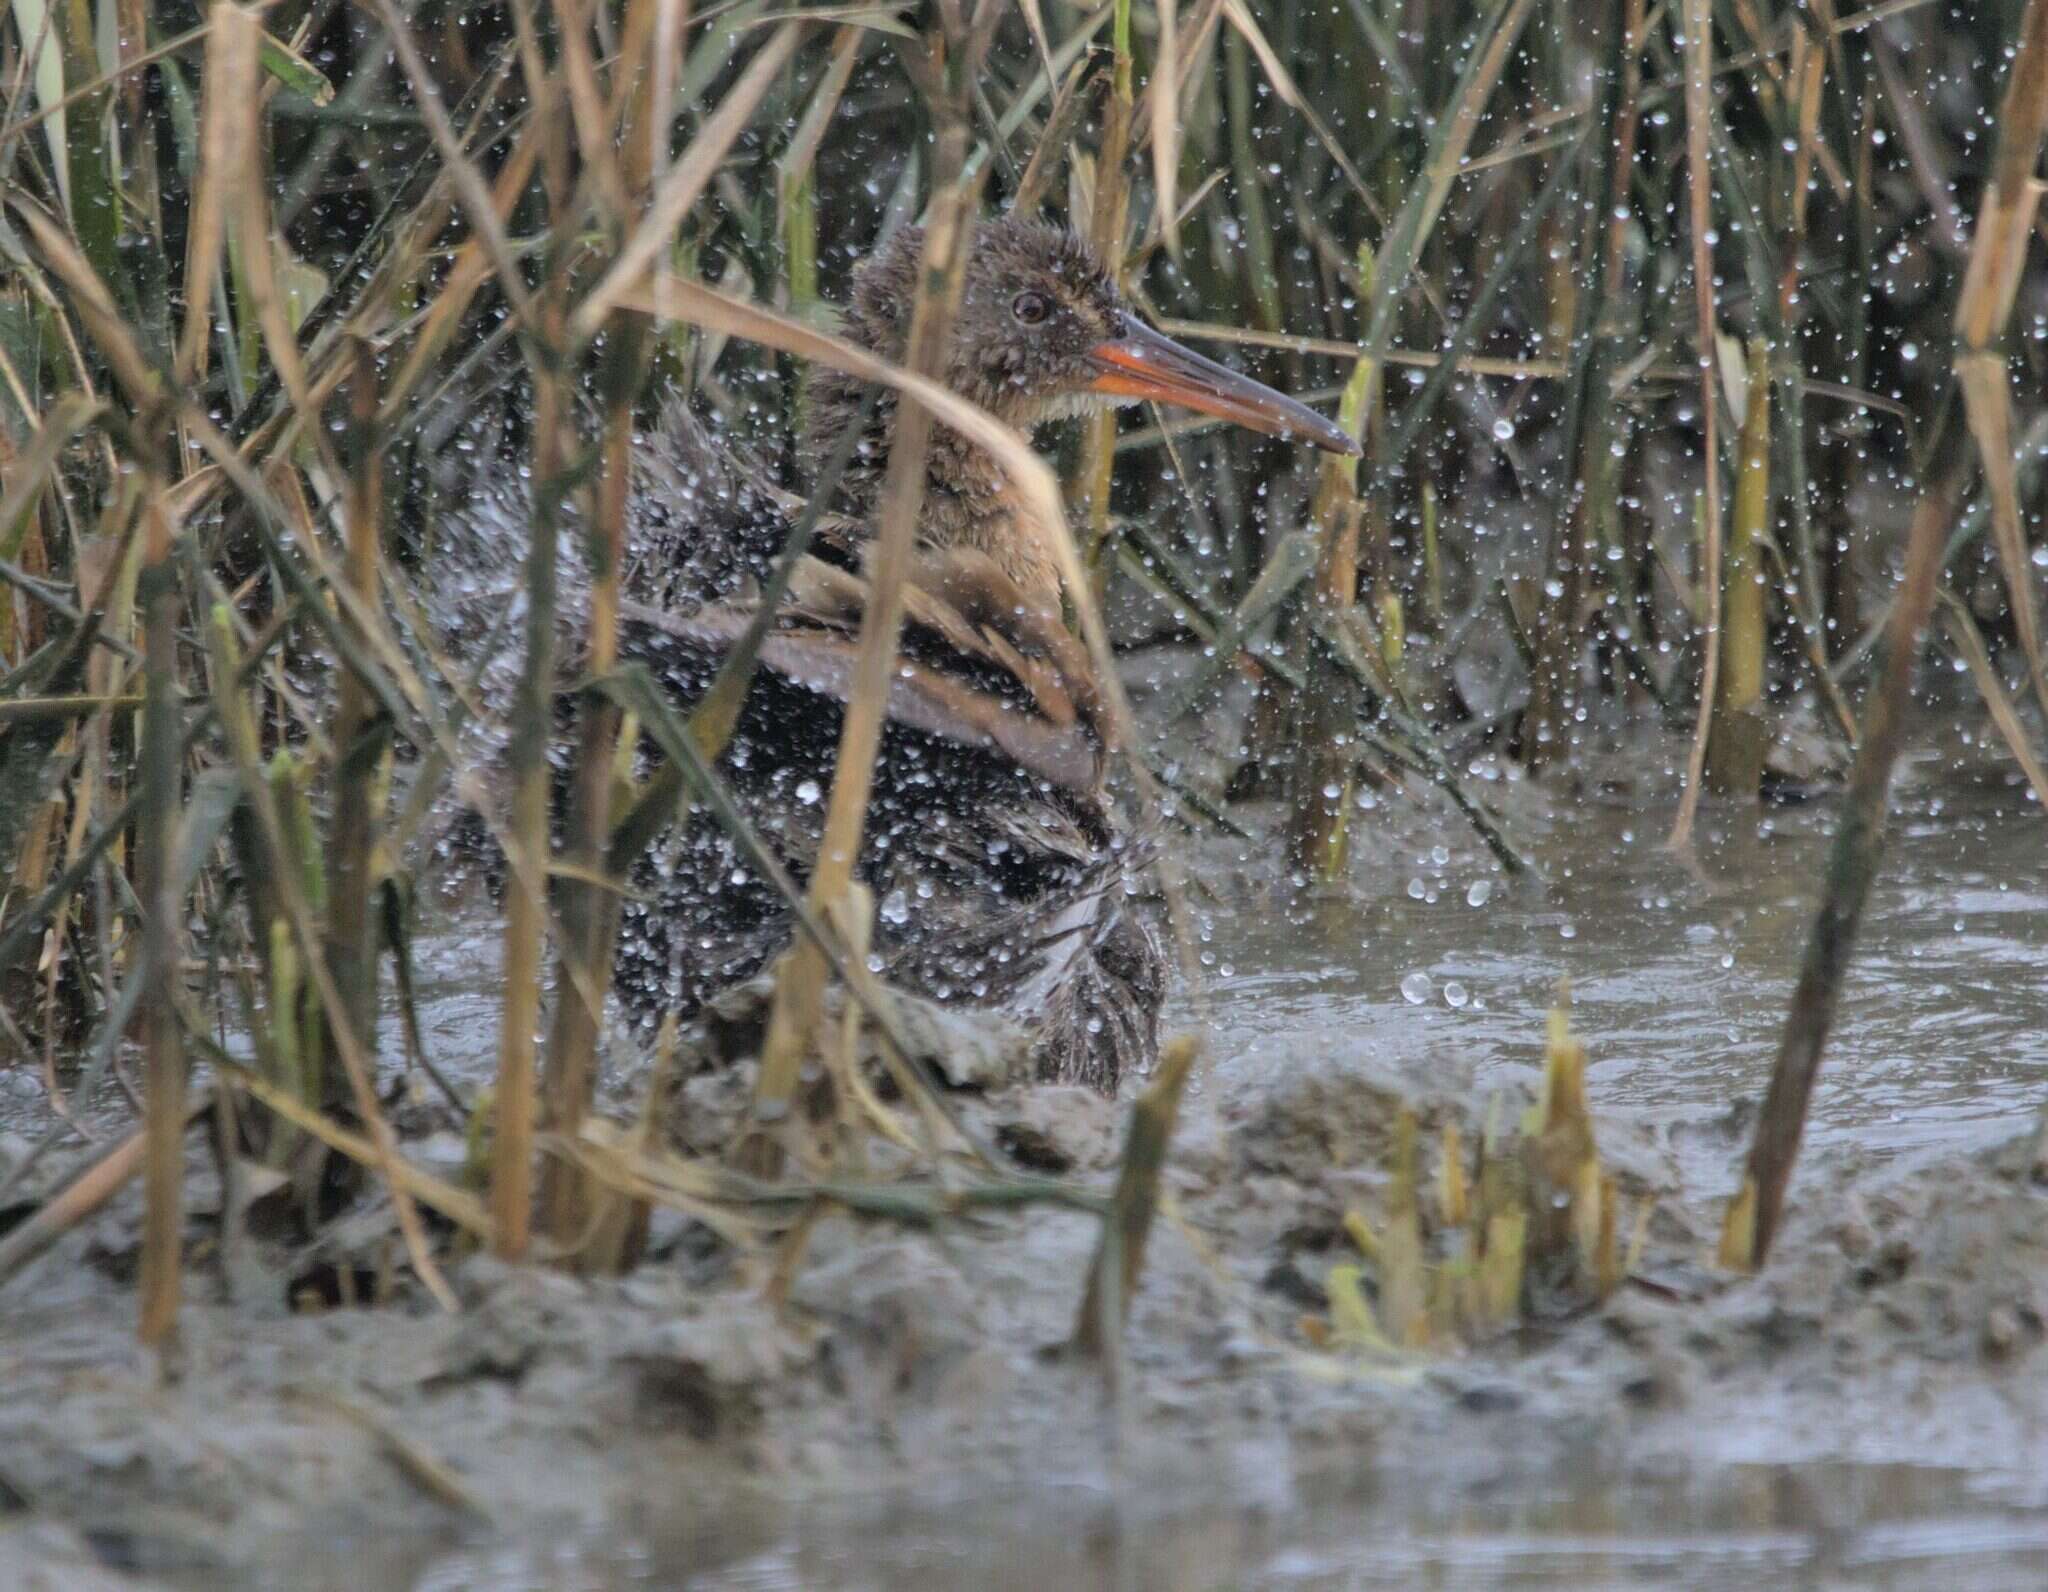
[[1415, 988], [1480, 893], [1455, 994], [1503, 430], [808, 793], [895, 907]]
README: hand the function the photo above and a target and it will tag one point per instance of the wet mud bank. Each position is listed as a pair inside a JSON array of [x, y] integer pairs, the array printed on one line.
[[913, 1416], [675, 1416]]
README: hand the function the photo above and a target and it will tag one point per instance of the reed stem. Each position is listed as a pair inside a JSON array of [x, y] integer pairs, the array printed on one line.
[[1699, 118], [512, 1169], [163, 1169], [1107, 227], [1853, 861], [1738, 736], [799, 993], [1120, 1256], [351, 951]]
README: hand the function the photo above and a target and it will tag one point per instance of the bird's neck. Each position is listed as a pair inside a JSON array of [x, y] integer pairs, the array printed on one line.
[[968, 499]]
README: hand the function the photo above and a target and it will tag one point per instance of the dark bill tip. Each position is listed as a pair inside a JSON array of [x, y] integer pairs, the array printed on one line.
[[1142, 363]]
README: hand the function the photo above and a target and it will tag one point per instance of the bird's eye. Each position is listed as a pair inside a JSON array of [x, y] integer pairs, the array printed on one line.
[[1030, 308]]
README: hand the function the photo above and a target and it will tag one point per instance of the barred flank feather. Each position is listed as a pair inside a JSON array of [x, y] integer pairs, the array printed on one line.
[[1001, 878]]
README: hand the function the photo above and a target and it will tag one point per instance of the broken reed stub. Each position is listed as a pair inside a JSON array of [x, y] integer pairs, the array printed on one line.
[[1120, 1254]]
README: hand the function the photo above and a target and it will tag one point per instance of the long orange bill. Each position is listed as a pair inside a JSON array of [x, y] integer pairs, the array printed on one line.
[[1141, 363]]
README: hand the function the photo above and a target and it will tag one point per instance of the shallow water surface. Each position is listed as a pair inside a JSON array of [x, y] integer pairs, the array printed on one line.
[[1434, 964], [1679, 979], [1433, 960], [1679, 976], [1873, 1528]]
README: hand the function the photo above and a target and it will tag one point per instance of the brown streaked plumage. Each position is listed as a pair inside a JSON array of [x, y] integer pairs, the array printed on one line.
[[1001, 872]]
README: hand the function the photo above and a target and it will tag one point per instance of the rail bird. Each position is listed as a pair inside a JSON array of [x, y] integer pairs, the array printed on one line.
[[1002, 873]]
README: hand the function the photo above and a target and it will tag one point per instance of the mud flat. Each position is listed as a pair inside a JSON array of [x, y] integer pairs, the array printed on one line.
[[914, 1412], [1873, 1401]]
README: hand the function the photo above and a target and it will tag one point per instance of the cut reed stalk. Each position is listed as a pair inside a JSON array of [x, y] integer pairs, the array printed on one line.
[[1454, 1270], [1120, 1255]]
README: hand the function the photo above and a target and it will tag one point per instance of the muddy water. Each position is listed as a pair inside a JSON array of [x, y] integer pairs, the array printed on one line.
[[1679, 978], [1873, 1528], [1433, 962], [1431, 965]]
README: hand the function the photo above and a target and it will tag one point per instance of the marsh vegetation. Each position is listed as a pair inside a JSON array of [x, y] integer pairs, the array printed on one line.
[[1695, 357]]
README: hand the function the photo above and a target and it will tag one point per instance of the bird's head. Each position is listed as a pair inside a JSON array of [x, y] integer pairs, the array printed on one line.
[[1043, 332]]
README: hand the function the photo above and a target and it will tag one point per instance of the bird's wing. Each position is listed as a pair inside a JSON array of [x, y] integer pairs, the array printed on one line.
[[980, 665], [963, 613]]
